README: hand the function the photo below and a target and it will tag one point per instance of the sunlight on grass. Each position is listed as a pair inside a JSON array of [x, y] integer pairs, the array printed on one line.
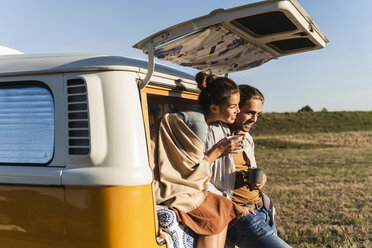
[[322, 194]]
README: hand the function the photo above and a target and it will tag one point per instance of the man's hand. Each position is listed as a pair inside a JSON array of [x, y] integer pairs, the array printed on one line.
[[258, 186], [250, 210], [247, 210], [264, 180]]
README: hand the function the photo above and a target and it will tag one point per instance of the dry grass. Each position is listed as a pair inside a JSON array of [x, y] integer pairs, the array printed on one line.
[[333, 139], [322, 195]]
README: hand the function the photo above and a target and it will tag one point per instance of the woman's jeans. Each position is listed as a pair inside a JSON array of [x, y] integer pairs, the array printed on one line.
[[255, 231]]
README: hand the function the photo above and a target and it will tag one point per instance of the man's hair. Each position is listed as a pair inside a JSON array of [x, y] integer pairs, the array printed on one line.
[[247, 93]]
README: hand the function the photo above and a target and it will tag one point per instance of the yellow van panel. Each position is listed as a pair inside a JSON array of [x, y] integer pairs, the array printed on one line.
[[31, 217], [110, 217], [76, 217]]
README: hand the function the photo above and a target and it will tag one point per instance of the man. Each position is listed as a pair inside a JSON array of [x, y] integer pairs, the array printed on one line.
[[257, 228]]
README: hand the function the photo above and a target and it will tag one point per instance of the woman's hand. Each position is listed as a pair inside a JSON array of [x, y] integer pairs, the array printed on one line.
[[226, 146]]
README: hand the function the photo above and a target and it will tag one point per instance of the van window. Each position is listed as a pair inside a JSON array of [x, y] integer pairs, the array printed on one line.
[[26, 124]]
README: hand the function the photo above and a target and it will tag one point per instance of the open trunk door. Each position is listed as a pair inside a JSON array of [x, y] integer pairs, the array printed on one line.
[[236, 39]]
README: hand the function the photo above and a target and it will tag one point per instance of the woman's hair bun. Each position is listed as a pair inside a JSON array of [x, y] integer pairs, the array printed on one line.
[[203, 79]]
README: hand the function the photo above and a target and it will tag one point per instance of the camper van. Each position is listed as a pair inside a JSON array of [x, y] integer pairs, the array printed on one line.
[[75, 157]]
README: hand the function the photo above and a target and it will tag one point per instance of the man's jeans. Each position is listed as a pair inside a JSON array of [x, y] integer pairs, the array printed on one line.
[[254, 231]]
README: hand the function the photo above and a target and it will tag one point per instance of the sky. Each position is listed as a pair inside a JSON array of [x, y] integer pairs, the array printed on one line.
[[336, 78]]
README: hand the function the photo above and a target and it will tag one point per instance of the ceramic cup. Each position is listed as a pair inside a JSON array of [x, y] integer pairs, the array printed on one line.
[[255, 175], [239, 141]]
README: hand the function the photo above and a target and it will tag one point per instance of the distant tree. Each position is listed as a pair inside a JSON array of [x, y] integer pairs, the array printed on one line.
[[324, 110], [307, 108]]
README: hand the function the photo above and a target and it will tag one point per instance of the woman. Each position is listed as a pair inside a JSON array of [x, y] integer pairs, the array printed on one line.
[[182, 170]]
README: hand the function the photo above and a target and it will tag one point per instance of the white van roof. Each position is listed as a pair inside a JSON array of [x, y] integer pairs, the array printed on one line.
[[12, 65]]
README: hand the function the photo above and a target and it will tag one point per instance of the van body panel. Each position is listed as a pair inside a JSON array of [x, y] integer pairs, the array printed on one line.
[[114, 217], [30, 175], [82, 217], [107, 176], [31, 216], [118, 154]]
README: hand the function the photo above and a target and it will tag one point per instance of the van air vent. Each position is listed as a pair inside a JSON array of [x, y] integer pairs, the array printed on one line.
[[78, 121]]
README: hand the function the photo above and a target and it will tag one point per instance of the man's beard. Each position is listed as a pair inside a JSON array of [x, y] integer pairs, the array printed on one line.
[[246, 129]]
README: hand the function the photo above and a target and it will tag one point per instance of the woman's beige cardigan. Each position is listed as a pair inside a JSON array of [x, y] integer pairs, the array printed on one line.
[[181, 169]]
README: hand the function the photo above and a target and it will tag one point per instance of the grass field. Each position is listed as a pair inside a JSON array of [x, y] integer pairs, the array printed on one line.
[[312, 122], [321, 183]]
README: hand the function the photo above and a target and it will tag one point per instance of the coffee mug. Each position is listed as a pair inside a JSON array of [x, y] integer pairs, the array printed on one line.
[[255, 175]]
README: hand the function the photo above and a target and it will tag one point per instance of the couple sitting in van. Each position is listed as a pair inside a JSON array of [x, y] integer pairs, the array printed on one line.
[[188, 145]]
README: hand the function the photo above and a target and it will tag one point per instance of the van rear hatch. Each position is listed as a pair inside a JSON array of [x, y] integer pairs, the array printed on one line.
[[237, 39]]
